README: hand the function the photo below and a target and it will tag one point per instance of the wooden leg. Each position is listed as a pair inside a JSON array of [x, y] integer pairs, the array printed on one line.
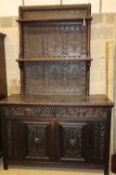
[[4, 156], [5, 164], [106, 168], [113, 163], [106, 173], [0, 154]]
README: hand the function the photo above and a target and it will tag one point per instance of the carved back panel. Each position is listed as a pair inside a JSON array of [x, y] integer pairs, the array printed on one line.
[[57, 39], [55, 78]]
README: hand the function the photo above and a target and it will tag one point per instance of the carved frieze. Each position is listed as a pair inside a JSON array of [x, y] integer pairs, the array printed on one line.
[[27, 111], [55, 112], [80, 112]]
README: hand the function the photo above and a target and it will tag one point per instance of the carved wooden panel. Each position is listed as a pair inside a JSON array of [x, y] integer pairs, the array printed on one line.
[[55, 39], [71, 138], [27, 111], [81, 112], [98, 137], [56, 112], [63, 78], [37, 140], [82, 141], [14, 143]]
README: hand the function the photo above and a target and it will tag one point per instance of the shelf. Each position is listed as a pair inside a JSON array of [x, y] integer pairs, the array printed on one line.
[[54, 58], [55, 13], [55, 18]]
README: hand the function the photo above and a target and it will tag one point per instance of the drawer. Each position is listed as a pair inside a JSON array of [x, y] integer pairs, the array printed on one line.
[[55, 112], [28, 111], [80, 112]]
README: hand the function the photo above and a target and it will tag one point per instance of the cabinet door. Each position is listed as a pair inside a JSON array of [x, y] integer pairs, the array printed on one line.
[[37, 140], [73, 141], [81, 141]]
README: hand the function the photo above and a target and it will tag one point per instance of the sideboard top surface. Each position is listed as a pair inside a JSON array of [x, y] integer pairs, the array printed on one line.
[[58, 100]]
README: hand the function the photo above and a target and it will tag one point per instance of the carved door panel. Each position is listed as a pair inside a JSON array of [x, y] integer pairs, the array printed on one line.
[[73, 141], [37, 140], [81, 141]]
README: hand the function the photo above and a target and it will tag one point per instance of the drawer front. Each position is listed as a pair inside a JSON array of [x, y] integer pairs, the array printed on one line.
[[80, 112], [55, 112], [27, 111]]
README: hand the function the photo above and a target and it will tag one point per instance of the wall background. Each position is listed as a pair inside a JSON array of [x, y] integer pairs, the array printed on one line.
[[103, 44], [10, 8]]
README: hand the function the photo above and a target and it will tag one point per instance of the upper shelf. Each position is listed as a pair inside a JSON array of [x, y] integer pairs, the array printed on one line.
[[55, 13], [56, 18], [54, 58]]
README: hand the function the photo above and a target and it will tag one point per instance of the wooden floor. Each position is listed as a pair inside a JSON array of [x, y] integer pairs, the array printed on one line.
[[15, 170]]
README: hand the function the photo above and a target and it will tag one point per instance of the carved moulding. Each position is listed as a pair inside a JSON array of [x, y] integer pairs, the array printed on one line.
[[55, 112]]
